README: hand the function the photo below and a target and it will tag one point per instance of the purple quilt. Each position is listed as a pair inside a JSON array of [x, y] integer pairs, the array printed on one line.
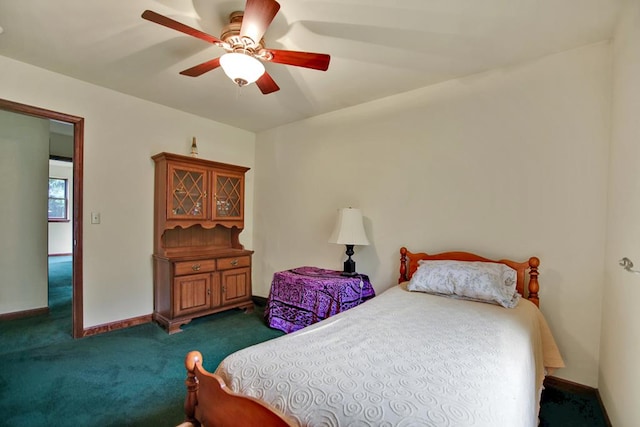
[[305, 295]]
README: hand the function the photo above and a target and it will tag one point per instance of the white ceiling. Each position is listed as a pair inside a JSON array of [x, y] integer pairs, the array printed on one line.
[[378, 47]]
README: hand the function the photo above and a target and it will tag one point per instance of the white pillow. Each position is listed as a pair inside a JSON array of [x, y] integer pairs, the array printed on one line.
[[478, 281]]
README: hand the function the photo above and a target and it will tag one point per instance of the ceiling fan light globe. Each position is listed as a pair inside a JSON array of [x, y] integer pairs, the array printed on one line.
[[242, 69]]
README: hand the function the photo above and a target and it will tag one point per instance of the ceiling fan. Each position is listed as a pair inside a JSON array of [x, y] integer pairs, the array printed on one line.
[[243, 42]]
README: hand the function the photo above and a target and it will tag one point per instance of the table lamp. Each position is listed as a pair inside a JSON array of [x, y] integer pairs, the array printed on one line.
[[349, 231]]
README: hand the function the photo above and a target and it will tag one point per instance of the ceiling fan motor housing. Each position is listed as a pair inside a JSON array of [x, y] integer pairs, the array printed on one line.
[[235, 43]]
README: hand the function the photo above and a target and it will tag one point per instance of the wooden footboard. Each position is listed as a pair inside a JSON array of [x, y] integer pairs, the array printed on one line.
[[210, 403]]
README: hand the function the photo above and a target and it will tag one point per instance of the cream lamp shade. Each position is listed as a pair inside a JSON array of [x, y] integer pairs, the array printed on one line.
[[349, 228], [349, 231], [242, 69]]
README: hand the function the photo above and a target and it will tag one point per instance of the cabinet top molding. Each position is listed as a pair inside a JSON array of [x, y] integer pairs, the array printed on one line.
[[199, 161]]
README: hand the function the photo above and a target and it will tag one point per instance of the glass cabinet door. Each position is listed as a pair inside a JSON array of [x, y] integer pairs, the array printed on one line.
[[228, 197], [187, 193]]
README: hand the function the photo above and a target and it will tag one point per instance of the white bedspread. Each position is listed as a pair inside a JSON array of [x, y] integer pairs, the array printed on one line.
[[405, 359]]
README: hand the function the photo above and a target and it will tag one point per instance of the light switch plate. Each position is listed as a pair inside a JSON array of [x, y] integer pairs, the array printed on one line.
[[95, 217]]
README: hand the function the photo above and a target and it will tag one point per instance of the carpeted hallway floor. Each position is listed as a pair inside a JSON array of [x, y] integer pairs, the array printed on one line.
[[135, 377], [131, 377]]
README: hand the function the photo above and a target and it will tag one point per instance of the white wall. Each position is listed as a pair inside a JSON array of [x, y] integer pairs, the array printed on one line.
[[24, 144], [619, 380], [61, 233], [121, 135], [61, 145], [508, 163]]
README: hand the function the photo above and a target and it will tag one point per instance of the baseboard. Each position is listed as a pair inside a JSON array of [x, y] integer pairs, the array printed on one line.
[[69, 254], [24, 313], [113, 326], [604, 410], [259, 301], [569, 386], [576, 388]]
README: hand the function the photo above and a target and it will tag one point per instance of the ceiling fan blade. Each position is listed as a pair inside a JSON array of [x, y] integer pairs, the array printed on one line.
[[266, 84], [258, 15], [317, 61], [152, 16], [200, 69]]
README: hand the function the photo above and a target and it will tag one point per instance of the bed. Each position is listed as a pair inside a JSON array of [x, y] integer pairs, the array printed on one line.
[[404, 358]]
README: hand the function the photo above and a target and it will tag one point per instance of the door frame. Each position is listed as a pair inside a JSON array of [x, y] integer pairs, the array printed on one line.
[[78, 166]]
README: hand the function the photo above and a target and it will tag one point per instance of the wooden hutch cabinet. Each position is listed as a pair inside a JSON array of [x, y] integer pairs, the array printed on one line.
[[199, 265]]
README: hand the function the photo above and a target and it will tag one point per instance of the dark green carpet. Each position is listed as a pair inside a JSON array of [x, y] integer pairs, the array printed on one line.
[[130, 377], [135, 376], [39, 331], [576, 408]]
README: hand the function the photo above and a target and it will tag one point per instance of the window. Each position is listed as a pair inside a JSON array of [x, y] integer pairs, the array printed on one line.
[[58, 202]]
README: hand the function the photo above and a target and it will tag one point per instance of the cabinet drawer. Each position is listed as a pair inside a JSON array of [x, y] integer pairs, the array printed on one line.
[[199, 266], [234, 262]]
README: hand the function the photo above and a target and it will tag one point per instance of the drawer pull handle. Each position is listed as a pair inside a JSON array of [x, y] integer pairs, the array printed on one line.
[[234, 262], [195, 267]]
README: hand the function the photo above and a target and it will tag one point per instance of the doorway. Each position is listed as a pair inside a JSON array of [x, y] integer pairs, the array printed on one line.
[[78, 147]]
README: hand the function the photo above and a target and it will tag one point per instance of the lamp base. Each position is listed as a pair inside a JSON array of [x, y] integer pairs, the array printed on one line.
[[349, 264]]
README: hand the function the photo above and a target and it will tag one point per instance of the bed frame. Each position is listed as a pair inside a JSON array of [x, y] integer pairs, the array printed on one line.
[[210, 403], [409, 265]]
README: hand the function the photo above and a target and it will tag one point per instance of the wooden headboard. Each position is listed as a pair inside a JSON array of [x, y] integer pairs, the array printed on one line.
[[409, 265]]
